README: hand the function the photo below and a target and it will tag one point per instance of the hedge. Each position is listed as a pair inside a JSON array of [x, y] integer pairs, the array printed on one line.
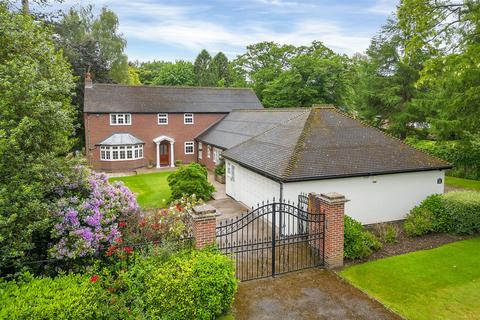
[[191, 285], [64, 297], [453, 212]]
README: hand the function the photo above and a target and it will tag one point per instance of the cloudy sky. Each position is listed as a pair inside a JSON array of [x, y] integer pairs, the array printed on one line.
[[171, 30]]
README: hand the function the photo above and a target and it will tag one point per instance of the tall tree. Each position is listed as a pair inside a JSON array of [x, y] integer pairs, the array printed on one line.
[[384, 87], [202, 69], [179, 73], [92, 43], [221, 71], [36, 124], [451, 77]]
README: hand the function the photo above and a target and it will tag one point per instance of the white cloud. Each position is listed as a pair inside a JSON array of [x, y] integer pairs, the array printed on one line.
[[383, 7], [183, 31]]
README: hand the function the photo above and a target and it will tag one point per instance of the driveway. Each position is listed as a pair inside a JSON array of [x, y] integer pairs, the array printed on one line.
[[309, 294]]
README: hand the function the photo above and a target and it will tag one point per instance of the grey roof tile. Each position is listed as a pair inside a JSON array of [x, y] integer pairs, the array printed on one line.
[[106, 98], [241, 125], [325, 143]]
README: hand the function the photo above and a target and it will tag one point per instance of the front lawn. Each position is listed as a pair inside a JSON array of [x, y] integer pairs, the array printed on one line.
[[151, 189], [442, 283], [463, 183]]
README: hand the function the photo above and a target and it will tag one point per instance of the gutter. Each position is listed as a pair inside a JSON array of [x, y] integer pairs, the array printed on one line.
[[353, 175]]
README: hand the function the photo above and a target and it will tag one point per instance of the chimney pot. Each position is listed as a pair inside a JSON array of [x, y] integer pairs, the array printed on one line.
[[88, 80]]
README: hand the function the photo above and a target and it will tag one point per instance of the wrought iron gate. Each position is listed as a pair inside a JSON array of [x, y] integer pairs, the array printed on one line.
[[274, 238]]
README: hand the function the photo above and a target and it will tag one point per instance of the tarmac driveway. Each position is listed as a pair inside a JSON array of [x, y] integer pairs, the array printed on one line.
[[309, 294]]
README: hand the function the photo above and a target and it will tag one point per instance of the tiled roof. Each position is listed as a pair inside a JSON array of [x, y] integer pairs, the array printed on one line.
[[119, 139], [106, 98], [325, 143], [241, 125]]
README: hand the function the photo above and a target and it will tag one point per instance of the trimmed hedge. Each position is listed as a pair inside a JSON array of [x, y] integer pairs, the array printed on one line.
[[454, 212], [64, 297], [191, 285], [358, 242], [463, 209]]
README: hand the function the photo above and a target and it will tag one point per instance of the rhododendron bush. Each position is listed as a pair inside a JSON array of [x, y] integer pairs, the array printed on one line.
[[88, 214]]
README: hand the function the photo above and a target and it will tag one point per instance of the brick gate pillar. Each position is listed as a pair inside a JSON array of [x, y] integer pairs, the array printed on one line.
[[204, 223], [332, 205]]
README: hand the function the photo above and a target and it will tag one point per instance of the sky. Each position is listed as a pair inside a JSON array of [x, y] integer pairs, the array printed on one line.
[[174, 30]]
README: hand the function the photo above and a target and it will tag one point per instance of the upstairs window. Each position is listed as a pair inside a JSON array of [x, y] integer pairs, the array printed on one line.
[[209, 151], [188, 118], [162, 118], [120, 119], [189, 147], [200, 151]]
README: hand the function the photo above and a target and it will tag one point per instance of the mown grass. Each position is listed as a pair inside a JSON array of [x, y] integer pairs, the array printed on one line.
[[442, 283], [151, 189], [463, 183]]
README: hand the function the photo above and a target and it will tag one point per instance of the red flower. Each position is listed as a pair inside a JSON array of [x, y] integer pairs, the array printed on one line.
[[122, 224], [142, 223], [128, 249], [94, 278], [118, 240], [179, 207], [111, 250]]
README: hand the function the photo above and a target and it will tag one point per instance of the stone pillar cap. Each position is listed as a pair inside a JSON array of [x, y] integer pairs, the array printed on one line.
[[334, 197], [204, 211]]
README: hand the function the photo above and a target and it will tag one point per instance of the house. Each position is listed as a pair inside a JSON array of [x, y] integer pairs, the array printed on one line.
[[128, 127], [283, 152]]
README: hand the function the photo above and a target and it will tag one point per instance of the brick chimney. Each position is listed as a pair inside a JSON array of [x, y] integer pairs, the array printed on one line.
[[88, 80]]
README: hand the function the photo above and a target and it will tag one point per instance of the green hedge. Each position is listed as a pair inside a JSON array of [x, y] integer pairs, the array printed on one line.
[[63, 297], [463, 209], [454, 212], [358, 242], [191, 285], [463, 154]]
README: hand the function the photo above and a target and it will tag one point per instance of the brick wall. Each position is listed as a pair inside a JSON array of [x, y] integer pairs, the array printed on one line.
[[332, 205], [146, 128], [208, 162]]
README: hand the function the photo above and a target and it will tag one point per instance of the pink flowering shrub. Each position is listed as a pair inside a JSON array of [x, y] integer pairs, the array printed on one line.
[[88, 214], [162, 224]]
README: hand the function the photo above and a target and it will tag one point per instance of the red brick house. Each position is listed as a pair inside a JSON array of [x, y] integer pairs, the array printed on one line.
[[128, 127]]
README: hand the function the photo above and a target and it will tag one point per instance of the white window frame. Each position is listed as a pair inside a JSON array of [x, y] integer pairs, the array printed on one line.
[[215, 157], [115, 119], [200, 151], [209, 151], [122, 153], [189, 144], [162, 116], [187, 116]]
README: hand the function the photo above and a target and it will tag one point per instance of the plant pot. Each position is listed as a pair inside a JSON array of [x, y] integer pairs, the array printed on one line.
[[220, 178]]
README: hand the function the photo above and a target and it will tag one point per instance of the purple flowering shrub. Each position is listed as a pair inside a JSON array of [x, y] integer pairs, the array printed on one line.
[[88, 214]]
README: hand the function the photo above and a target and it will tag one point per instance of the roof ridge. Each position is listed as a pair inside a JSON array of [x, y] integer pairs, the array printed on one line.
[[387, 134], [273, 109], [299, 145], [165, 86], [275, 126]]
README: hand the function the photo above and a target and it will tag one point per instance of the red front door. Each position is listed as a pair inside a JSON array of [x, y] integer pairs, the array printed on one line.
[[164, 153]]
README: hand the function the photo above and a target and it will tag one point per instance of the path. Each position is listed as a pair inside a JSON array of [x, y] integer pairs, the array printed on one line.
[[310, 294]]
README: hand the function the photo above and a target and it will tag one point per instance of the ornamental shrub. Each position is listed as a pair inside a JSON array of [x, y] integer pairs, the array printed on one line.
[[70, 296], [419, 221], [88, 213], [463, 209], [358, 242], [190, 179], [198, 284]]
